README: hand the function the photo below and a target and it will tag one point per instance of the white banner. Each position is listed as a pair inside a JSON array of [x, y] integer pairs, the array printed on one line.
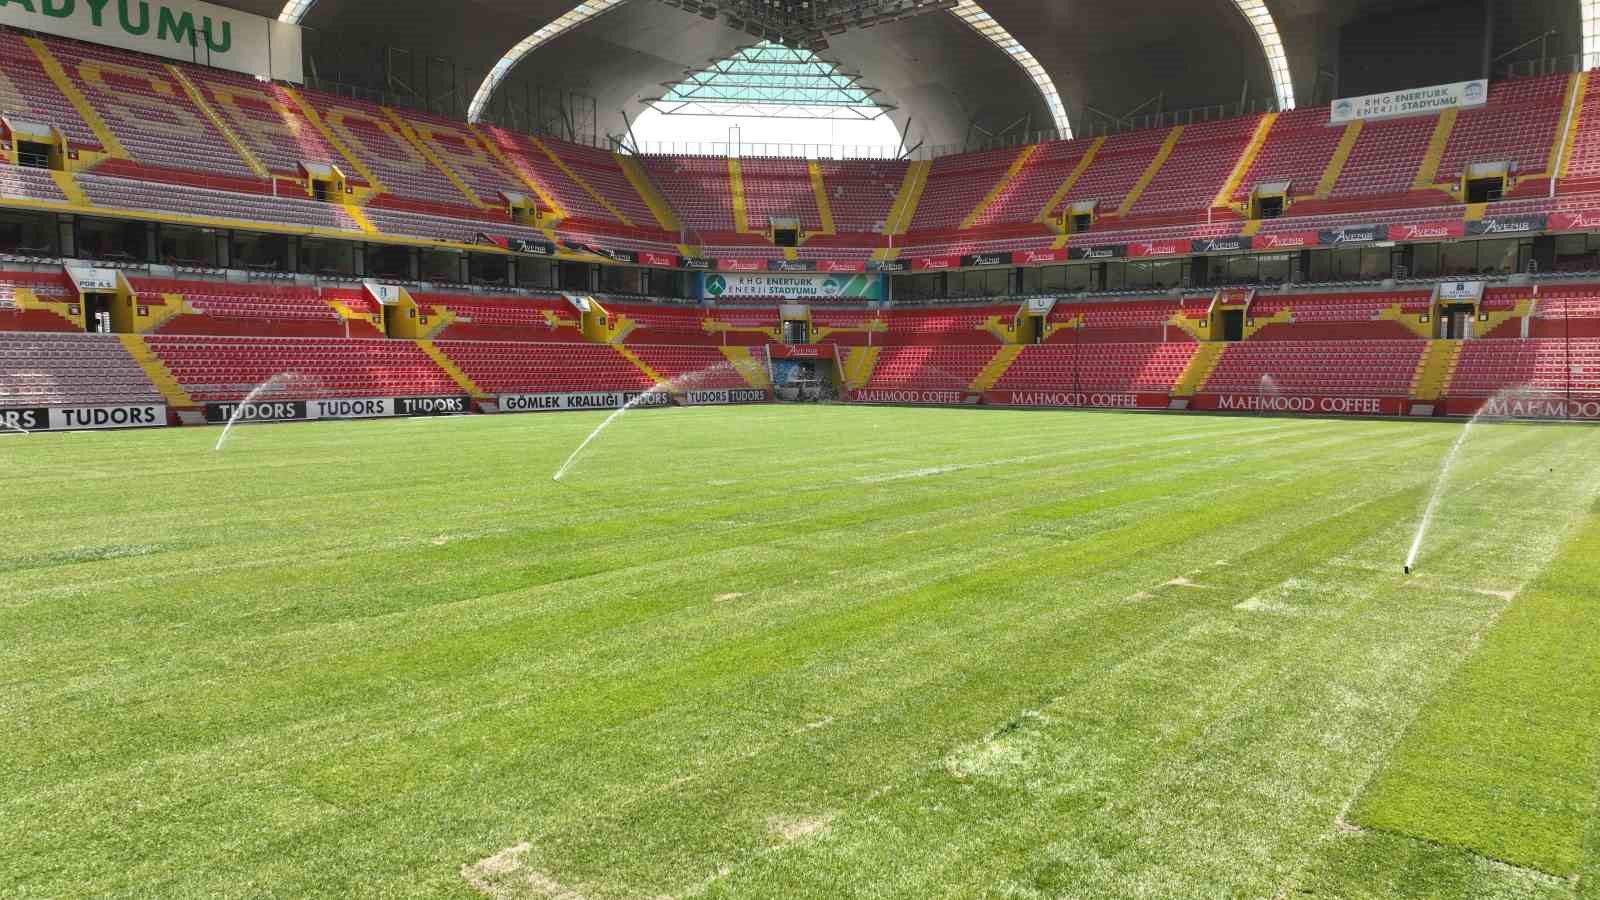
[[1415, 102], [93, 281], [81, 418], [722, 285], [714, 398], [582, 400], [178, 29], [1461, 290]]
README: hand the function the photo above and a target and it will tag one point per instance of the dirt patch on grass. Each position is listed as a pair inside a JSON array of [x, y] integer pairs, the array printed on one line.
[[794, 828], [504, 876], [727, 598]]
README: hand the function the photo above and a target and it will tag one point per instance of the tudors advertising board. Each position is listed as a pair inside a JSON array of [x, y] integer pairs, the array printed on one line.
[[916, 396], [725, 397], [582, 400], [83, 418], [1077, 399], [1490, 225], [177, 29], [353, 408], [1304, 405]]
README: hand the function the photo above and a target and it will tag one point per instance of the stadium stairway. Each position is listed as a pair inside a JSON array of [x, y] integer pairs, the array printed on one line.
[[156, 371], [745, 363], [820, 189], [996, 368], [905, 203], [858, 365], [199, 100], [91, 117], [638, 363], [1047, 215], [1436, 369], [1428, 172], [1150, 172], [653, 199], [1336, 163], [1398, 313], [999, 188], [1200, 367], [1247, 160], [741, 215], [450, 368]]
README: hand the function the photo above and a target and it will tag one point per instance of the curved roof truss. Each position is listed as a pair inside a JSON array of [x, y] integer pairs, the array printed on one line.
[[1260, 18]]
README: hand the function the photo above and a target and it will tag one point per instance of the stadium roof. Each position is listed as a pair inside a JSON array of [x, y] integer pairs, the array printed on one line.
[[946, 67]]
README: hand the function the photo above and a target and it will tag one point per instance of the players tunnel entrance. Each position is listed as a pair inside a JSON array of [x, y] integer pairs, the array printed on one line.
[[1232, 324], [1455, 320]]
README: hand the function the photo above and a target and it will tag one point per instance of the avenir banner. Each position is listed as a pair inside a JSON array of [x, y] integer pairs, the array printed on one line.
[[177, 29]]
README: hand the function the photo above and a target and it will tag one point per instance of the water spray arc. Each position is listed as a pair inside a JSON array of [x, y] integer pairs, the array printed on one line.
[[274, 383]]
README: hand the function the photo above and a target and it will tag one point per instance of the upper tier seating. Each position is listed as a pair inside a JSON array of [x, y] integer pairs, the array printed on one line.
[[1297, 150], [1354, 316], [377, 142], [1583, 163], [1153, 368], [137, 195], [1330, 368], [697, 187], [956, 184], [27, 93], [215, 369], [1547, 366], [598, 170], [1023, 199], [512, 368], [1386, 158], [861, 191], [266, 119], [943, 368], [1519, 125], [456, 145], [148, 110], [1198, 168], [1122, 159], [779, 188], [75, 369]]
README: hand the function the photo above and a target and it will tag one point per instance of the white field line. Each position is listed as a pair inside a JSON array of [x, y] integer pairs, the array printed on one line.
[[1341, 823]]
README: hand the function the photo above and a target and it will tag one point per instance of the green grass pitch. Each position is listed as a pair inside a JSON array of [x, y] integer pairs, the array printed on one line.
[[801, 652]]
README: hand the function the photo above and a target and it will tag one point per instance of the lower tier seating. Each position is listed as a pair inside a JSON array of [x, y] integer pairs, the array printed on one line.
[[1539, 365], [506, 368], [215, 369], [76, 369], [1335, 368], [930, 367], [1124, 368], [692, 368]]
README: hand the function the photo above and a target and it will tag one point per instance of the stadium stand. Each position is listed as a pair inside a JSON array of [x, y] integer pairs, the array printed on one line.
[[505, 368], [69, 369], [1338, 368], [951, 367], [1547, 366], [215, 369], [478, 318], [1099, 367]]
